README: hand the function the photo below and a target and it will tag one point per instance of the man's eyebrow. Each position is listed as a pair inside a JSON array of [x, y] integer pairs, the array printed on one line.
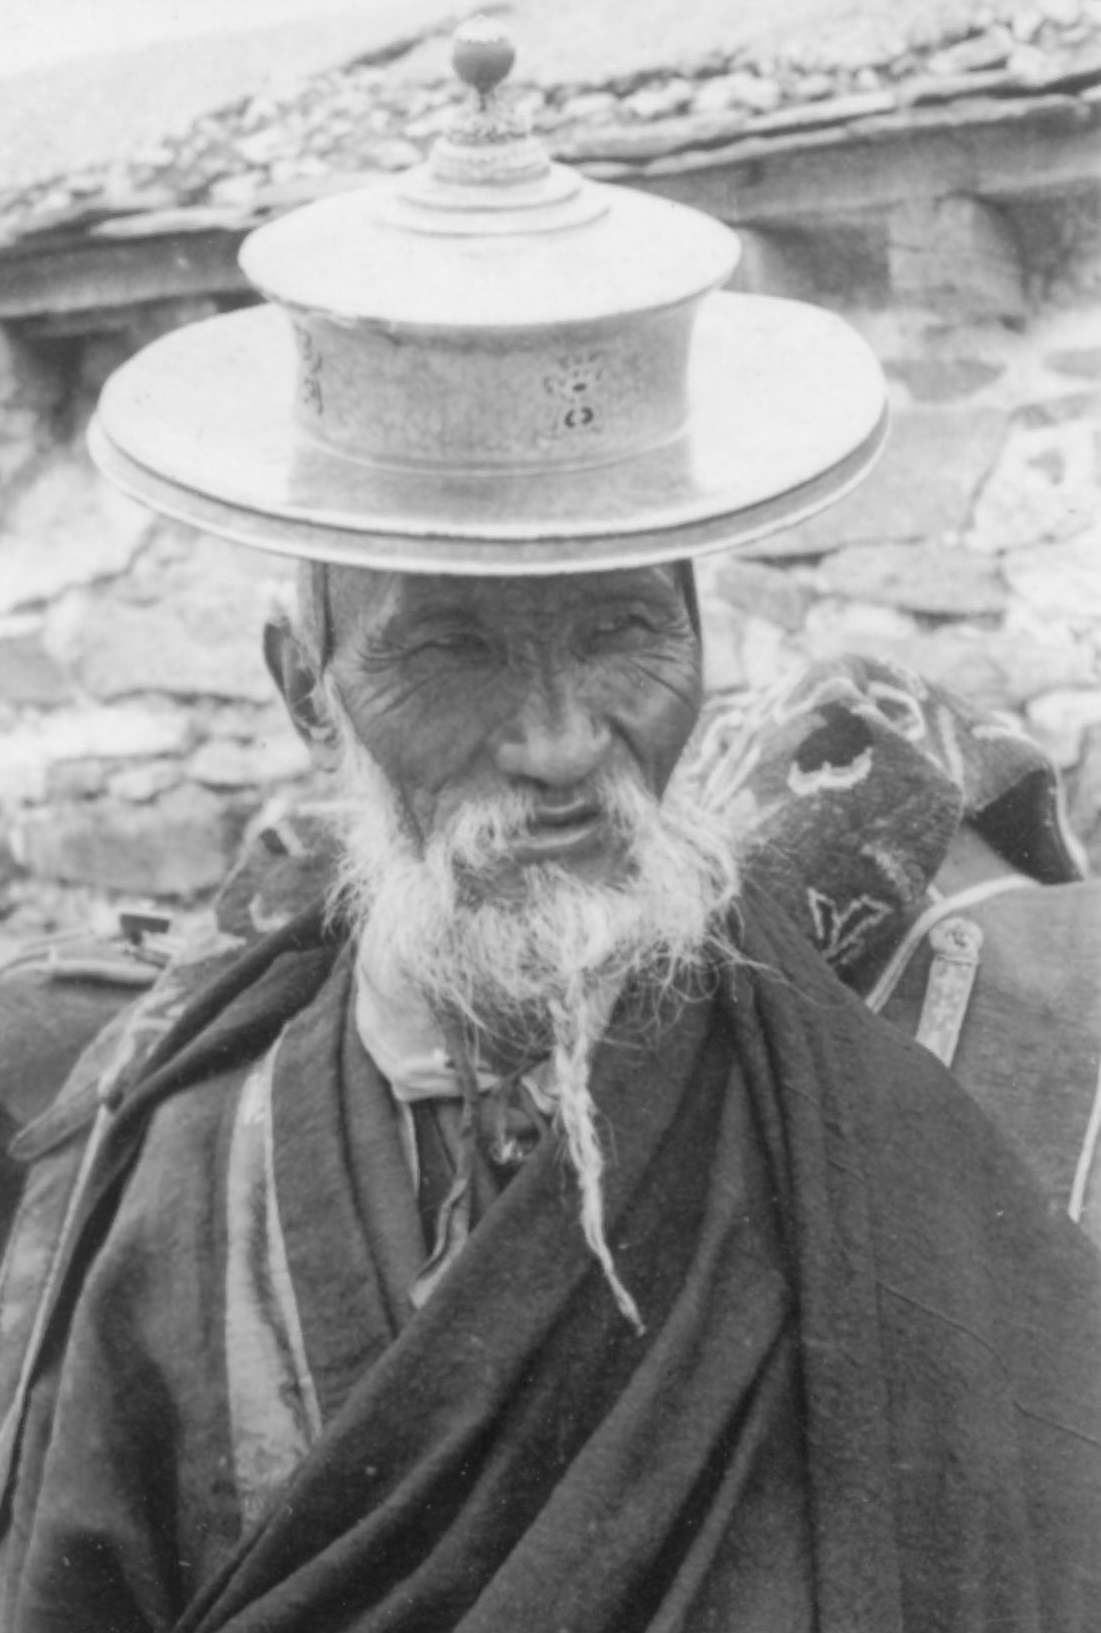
[[414, 621], [664, 597]]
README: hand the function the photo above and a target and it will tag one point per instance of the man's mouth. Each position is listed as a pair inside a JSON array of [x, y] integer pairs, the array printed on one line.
[[560, 833]]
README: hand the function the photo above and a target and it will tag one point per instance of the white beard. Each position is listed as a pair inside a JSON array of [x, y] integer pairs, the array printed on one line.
[[542, 963]]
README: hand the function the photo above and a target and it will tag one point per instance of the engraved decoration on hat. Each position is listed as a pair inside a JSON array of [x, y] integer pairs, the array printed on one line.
[[495, 309]]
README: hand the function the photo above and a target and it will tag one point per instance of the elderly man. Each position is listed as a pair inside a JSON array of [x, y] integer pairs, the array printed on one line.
[[548, 1242], [536, 1234]]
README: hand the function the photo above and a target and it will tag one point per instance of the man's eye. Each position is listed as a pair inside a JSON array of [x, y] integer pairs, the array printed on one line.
[[472, 648], [621, 626]]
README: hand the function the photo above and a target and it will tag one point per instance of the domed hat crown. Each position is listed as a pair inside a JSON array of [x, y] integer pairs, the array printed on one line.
[[494, 364]]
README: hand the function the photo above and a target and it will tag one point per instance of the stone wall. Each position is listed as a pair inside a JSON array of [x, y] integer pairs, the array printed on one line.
[[139, 733], [138, 728]]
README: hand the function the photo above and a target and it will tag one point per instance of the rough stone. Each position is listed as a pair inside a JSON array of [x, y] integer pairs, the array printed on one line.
[[1084, 806], [814, 87], [1074, 405], [154, 576], [100, 356], [28, 674], [183, 650], [1029, 497], [1060, 720], [716, 95], [395, 154], [773, 263], [989, 49], [75, 779], [67, 528], [30, 390], [141, 783], [742, 651], [925, 578], [591, 106], [1028, 63], [1050, 463], [959, 659], [923, 487], [128, 732], [956, 256], [247, 722], [1037, 657], [999, 669], [942, 380], [723, 639], [1064, 13], [833, 627], [1026, 24], [186, 623], [233, 191], [223, 763], [779, 597], [197, 564], [25, 376], [1083, 362], [660, 101], [175, 847], [754, 92], [23, 439], [1060, 580], [152, 319], [61, 622], [767, 654]]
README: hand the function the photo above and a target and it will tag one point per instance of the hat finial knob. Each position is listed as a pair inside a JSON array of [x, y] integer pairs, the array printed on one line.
[[482, 54], [489, 141]]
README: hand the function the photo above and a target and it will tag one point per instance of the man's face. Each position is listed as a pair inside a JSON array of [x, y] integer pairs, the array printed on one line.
[[461, 689]]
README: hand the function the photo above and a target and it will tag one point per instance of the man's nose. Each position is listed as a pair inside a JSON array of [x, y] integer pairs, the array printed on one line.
[[553, 740]]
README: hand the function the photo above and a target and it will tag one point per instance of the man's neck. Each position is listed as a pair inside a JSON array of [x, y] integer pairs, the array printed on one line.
[[398, 1004]]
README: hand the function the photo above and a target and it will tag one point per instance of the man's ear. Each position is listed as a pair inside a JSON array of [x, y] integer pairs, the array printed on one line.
[[295, 674]]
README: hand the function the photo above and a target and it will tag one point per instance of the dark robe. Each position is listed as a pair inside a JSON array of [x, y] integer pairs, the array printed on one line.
[[867, 1396], [44, 1025]]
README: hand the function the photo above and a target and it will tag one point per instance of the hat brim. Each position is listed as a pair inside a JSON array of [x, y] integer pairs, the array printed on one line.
[[787, 413]]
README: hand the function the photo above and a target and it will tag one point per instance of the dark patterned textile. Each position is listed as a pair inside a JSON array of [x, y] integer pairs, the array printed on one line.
[[846, 785]]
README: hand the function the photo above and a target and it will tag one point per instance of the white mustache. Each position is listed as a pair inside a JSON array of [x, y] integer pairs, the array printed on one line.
[[487, 830]]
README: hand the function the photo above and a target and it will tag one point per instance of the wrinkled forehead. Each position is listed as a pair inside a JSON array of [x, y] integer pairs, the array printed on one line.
[[360, 600]]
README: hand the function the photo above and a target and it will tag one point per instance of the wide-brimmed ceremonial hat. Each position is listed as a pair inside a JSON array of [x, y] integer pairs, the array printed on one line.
[[493, 364]]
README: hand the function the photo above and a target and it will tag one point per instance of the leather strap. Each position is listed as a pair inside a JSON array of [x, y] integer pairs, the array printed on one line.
[[1084, 1195], [956, 944], [939, 909]]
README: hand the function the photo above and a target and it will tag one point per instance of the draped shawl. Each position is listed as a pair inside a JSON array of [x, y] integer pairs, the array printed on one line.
[[867, 1397]]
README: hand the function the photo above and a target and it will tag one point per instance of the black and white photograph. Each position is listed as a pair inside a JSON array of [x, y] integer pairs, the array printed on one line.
[[550, 816]]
